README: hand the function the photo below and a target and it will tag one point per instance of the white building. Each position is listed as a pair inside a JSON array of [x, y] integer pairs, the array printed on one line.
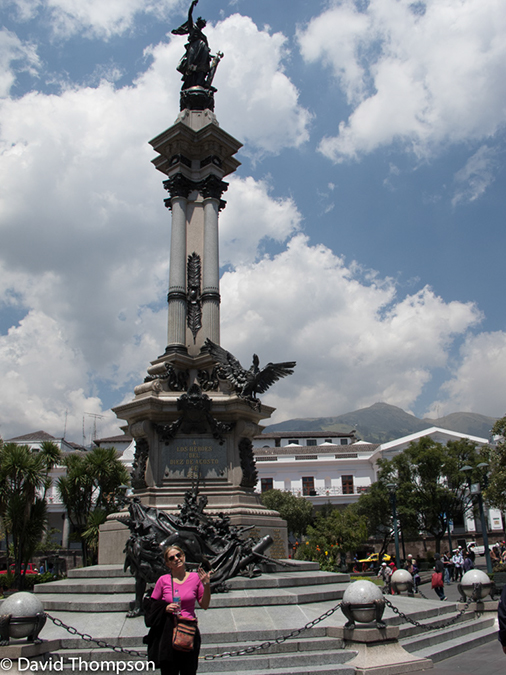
[[336, 468]]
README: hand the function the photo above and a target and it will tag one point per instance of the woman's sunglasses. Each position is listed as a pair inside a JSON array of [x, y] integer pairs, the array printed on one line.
[[178, 556]]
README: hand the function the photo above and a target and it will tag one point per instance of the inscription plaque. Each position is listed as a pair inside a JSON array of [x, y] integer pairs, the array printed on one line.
[[194, 458]]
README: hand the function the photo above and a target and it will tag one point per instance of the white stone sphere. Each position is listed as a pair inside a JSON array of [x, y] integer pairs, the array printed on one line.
[[363, 592], [402, 580], [19, 605], [476, 577]]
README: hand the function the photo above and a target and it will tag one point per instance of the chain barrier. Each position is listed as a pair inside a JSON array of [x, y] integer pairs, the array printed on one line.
[[423, 626], [263, 645], [88, 638], [277, 641]]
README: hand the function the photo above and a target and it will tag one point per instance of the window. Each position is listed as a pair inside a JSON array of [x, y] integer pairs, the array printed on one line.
[[347, 483], [328, 440], [293, 440], [277, 442], [266, 484], [344, 441], [308, 485], [311, 441]]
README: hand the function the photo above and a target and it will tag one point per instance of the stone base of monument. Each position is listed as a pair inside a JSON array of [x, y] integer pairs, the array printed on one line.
[[378, 651]]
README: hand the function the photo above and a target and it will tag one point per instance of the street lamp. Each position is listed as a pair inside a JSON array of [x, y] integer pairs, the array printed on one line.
[[475, 489], [392, 491]]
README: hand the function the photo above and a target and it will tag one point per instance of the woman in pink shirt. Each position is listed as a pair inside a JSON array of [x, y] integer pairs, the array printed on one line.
[[190, 587]]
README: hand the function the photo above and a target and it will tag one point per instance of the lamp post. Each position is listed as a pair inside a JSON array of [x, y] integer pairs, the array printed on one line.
[[475, 489], [392, 491]]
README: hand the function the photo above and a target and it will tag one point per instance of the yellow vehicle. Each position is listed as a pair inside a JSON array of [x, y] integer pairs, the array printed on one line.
[[374, 558]]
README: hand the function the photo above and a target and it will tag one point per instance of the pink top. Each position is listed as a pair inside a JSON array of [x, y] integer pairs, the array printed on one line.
[[190, 590]]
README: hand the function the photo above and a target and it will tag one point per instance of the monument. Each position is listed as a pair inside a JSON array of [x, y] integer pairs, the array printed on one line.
[[194, 416]]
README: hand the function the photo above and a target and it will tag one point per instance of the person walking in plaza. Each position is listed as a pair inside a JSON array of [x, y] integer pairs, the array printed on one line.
[[468, 562], [172, 602], [385, 573], [437, 577], [458, 562]]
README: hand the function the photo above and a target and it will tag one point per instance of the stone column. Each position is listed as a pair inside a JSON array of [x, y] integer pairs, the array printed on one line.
[[211, 271], [212, 189], [179, 188]]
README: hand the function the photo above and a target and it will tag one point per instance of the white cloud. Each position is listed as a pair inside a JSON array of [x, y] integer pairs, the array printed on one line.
[[477, 382], [355, 343], [15, 56], [476, 176], [85, 235], [251, 217], [96, 18], [37, 392], [250, 79], [423, 79]]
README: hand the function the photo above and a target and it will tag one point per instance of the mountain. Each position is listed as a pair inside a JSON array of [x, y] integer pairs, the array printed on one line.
[[382, 422]]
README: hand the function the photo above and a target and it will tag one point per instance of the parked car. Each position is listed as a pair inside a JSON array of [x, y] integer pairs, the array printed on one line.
[[374, 558], [30, 569]]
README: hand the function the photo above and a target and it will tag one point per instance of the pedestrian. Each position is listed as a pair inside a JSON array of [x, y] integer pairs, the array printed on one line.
[[458, 562], [468, 562], [412, 567], [446, 563], [385, 573], [437, 577], [172, 603]]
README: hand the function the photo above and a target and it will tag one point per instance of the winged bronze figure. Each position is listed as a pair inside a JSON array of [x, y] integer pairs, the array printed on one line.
[[255, 380]]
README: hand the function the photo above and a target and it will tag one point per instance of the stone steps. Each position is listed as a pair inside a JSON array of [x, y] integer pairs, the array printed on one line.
[[106, 588], [256, 611]]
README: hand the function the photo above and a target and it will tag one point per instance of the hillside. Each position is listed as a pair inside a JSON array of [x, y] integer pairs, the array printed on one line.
[[382, 422]]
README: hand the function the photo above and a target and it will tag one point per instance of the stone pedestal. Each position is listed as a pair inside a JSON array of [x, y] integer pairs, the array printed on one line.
[[189, 424], [378, 651]]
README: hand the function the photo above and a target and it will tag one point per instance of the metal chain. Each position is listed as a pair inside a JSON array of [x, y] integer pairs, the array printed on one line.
[[277, 641], [88, 638], [423, 626]]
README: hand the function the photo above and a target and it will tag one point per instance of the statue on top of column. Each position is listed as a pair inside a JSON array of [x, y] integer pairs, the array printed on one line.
[[197, 66]]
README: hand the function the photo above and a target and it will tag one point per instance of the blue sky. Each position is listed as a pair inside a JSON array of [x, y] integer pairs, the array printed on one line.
[[364, 233]]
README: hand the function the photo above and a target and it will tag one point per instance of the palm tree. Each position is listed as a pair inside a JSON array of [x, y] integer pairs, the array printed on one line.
[[90, 492], [23, 480]]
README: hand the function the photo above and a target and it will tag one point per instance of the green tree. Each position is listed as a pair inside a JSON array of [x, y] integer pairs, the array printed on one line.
[[374, 506], [297, 511], [431, 486], [91, 491], [495, 455], [332, 536], [24, 479]]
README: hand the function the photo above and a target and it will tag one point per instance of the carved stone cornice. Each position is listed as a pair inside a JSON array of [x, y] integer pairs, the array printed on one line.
[[179, 185], [213, 187]]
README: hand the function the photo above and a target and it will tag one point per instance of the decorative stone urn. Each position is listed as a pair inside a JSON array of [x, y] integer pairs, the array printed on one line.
[[22, 615], [363, 602], [401, 580], [475, 584]]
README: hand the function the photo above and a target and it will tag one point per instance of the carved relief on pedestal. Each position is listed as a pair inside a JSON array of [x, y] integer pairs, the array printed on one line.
[[138, 473], [175, 380], [195, 418], [248, 464], [194, 301]]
